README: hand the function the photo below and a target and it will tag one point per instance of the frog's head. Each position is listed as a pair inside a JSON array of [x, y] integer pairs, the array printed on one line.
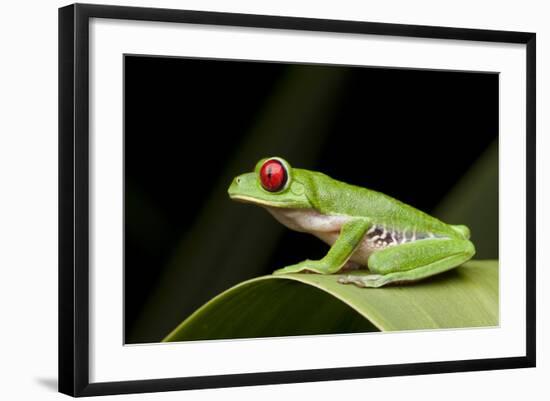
[[273, 184]]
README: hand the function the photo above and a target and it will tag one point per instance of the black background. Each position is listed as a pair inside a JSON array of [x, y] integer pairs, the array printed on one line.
[[193, 124]]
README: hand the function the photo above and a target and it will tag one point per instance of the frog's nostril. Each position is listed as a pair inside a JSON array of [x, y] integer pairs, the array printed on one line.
[[238, 180]]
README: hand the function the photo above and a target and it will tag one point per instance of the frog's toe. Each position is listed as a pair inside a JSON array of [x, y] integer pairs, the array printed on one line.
[[284, 270], [288, 269], [297, 268], [371, 280]]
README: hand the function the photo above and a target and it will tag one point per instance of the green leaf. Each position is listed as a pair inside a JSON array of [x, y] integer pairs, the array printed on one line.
[[307, 304]]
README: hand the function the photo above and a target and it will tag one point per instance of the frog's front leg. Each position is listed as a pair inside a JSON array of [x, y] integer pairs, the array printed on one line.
[[351, 234], [413, 261]]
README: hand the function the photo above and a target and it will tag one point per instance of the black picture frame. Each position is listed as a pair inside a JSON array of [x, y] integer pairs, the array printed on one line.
[[74, 198]]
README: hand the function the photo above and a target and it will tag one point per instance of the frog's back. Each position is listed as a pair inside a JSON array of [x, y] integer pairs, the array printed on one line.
[[335, 197]]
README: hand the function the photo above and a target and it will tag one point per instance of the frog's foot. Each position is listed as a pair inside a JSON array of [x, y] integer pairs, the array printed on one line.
[[370, 280], [307, 266]]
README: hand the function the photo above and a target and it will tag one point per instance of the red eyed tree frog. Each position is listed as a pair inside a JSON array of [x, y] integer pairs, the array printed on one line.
[[365, 228]]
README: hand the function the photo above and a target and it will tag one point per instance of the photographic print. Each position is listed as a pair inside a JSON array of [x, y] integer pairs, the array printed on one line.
[[250, 199], [267, 199]]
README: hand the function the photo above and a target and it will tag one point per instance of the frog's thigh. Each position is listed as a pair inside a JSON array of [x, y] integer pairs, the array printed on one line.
[[417, 260]]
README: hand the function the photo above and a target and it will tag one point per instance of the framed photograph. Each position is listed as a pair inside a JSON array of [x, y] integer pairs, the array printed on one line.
[[252, 199]]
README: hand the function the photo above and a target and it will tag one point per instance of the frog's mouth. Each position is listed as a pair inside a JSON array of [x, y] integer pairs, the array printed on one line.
[[255, 201]]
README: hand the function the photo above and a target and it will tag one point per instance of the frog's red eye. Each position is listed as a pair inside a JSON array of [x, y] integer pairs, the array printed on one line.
[[273, 175]]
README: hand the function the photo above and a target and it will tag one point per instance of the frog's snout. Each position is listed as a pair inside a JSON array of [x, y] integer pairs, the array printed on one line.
[[243, 187], [234, 187]]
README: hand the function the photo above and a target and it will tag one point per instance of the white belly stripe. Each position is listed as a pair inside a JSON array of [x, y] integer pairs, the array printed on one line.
[[327, 228]]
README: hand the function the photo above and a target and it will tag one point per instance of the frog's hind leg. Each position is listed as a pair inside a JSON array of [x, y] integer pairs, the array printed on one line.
[[413, 261]]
